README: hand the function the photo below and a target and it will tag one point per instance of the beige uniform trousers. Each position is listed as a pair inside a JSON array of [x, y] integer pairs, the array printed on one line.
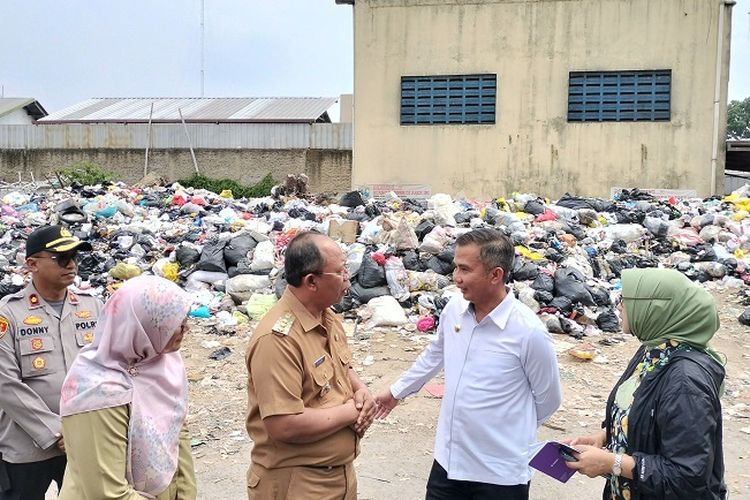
[[302, 483]]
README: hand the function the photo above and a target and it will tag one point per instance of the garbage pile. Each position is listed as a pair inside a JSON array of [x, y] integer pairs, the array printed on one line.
[[229, 252]]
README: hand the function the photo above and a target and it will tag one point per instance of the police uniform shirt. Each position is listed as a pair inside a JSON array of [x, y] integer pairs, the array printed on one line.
[[37, 347], [294, 362]]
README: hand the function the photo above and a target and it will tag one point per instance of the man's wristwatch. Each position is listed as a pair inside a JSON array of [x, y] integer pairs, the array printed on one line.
[[617, 466]]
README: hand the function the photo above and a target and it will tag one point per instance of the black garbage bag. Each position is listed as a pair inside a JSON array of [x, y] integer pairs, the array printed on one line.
[[574, 202], [634, 195], [423, 229], [301, 213], [607, 321], [440, 266], [534, 207], [7, 288], [347, 303], [463, 217], [91, 263], [358, 216], [412, 262], [212, 257], [448, 253], [744, 318], [570, 283], [242, 267], [554, 255], [351, 199], [220, 354], [371, 274], [562, 304], [238, 248], [524, 271], [702, 253], [600, 296], [619, 246], [363, 295], [372, 210], [543, 297], [543, 282]]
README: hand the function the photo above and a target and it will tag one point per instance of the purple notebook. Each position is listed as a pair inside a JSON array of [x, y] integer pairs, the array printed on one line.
[[549, 461]]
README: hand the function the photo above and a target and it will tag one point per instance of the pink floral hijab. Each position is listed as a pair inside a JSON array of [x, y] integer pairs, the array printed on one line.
[[126, 365]]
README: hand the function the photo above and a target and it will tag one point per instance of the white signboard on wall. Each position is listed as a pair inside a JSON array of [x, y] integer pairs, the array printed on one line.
[[379, 191]]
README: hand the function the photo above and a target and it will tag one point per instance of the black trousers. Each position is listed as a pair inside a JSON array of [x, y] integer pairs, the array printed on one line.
[[31, 481], [439, 487]]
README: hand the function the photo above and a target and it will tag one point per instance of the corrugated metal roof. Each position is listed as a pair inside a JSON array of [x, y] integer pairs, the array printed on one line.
[[10, 104], [197, 109]]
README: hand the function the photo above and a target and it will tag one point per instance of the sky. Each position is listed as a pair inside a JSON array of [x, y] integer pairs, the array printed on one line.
[[64, 52]]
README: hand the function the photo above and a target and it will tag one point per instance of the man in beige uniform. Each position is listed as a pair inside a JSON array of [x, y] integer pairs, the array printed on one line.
[[306, 405], [42, 327]]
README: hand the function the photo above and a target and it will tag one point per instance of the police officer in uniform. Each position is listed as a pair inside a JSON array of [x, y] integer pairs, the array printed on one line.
[[42, 328], [307, 407]]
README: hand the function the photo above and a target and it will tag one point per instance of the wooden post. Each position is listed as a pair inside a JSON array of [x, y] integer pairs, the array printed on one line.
[[148, 140], [190, 142]]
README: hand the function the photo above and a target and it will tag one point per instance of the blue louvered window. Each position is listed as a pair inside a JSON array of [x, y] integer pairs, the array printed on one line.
[[458, 99], [619, 96]]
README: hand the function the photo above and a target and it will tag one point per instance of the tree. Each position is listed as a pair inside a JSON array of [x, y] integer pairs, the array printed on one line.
[[738, 119]]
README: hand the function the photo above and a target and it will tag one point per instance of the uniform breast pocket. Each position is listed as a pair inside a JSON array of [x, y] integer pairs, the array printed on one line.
[[36, 354], [322, 375]]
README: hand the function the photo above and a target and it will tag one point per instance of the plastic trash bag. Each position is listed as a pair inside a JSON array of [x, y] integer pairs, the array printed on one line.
[[263, 257], [242, 287], [570, 283], [259, 304], [398, 280], [351, 199], [364, 295], [543, 282], [435, 242], [383, 311], [444, 209], [607, 321], [744, 318], [238, 248], [371, 274], [212, 257]]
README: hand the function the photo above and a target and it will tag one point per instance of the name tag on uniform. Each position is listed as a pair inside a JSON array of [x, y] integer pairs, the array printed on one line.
[[319, 361]]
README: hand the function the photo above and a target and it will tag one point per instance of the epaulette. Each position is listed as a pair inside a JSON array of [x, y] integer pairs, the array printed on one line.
[[283, 324]]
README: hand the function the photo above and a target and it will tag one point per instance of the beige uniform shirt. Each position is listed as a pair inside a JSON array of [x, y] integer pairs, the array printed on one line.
[[295, 361], [37, 347], [97, 444]]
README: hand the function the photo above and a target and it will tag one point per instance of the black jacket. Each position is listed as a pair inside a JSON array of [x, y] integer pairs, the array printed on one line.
[[675, 429]]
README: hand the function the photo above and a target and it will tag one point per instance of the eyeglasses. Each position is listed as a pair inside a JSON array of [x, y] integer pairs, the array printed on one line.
[[344, 273], [62, 259]]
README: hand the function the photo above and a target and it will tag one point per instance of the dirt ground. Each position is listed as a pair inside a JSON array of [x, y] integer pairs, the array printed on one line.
[[397, 452]]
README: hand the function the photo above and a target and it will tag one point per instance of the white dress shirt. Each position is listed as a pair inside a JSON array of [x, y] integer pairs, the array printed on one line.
[[501, 383]]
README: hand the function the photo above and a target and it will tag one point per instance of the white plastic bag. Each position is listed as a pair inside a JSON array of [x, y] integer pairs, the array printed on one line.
[[263, 257], [398, 280], [444, 209], [383, 311]]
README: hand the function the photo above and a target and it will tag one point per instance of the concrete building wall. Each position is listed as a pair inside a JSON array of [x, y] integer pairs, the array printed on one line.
[[532, 45], [329, 170]]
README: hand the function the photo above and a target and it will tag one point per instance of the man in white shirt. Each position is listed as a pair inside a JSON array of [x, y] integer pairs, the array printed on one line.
[[501, 379]]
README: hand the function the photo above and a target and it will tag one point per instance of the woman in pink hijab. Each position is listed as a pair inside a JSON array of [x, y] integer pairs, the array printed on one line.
[[124, 400]]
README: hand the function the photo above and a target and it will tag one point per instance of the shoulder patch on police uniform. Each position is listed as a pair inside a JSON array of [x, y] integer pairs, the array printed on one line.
[[3, 327], [283, 324]]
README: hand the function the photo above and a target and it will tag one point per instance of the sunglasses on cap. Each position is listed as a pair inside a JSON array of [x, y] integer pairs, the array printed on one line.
[[62, 259]]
